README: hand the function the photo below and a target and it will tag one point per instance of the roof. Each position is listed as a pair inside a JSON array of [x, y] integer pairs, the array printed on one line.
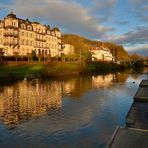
[[56, 29], [27, 21], [11, 15], [99, 48]]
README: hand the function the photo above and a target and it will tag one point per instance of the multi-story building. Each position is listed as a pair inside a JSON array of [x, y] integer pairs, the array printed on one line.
[[21, 37], [101, 53]]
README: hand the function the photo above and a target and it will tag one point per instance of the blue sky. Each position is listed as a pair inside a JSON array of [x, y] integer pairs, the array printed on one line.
[[123, 22]]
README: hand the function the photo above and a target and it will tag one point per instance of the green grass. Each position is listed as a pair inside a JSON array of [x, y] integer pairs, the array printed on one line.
[[14, 72]]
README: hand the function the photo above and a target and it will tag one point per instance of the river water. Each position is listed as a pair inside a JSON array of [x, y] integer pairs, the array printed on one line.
[[81, 111]]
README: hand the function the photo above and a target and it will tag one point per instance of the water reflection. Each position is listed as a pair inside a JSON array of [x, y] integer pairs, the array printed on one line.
[[103, 81], [25, 100], [74, 112]]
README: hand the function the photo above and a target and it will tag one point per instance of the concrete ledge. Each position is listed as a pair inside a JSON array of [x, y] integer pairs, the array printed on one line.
[[141, 94], [144, 83], [137, 116], [130, 138]]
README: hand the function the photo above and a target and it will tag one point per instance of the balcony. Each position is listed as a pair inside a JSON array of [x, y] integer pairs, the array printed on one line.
[[10, 34], [11, 27], [41, 40], [11, 44], [37, 46]]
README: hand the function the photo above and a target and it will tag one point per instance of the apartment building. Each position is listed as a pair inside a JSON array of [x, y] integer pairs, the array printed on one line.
[[21, 37]]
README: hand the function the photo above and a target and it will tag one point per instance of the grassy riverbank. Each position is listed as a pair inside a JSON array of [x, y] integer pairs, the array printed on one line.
[[13, 71]]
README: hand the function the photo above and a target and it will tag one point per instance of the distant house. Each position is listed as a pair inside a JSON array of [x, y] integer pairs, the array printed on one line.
[[68, 49], [101, 53]]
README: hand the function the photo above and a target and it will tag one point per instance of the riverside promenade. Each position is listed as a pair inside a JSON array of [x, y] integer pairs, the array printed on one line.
[[135, 134]]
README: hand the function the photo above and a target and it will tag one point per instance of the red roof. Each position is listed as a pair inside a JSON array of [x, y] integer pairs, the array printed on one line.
[[99, 48]]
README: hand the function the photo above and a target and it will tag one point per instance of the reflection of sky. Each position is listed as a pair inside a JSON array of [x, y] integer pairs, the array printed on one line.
[[88, 121]]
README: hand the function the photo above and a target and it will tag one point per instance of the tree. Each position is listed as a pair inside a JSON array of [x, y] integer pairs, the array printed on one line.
[[33, 55]]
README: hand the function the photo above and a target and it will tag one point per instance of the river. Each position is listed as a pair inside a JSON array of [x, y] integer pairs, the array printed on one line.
[[80, 111]]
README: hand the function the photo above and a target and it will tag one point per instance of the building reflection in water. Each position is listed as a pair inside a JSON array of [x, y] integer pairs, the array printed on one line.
[[103, 81], [25, 100], [77, 87]]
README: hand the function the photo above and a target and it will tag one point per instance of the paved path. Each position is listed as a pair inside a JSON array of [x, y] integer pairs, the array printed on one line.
[[129, 138]]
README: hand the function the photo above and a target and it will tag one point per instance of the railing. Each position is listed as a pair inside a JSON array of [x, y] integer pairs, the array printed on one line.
[[42, 40], [37, 46], [11, 44], [6, 34], [11, 27], [42, 33]]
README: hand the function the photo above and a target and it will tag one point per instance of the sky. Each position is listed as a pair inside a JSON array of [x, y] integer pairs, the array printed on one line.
[[123, 22]]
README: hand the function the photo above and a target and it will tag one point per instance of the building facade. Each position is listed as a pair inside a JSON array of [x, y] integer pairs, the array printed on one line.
[[101, 53], [68, 49], [21, 37]]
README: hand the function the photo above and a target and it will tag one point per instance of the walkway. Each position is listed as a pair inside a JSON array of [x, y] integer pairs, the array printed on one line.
[[135, 134]]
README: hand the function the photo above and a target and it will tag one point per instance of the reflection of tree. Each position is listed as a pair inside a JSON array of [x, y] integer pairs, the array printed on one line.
[[1, 54], [121, 77], [78, 86], [25, 100], [16, 53]]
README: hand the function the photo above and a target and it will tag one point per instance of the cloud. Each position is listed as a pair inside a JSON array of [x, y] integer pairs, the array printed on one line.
[[69, 15], [139, 9], [121, 22], [137, 36], [140, 49], [103, 9]]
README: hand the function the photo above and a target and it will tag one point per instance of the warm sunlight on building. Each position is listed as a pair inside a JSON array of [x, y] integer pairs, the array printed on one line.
[[21, 37], [101, 53], [68, 49]]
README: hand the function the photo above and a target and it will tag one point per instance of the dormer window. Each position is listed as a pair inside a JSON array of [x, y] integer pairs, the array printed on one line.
[[23, 26], [13, 24], [29, 27]]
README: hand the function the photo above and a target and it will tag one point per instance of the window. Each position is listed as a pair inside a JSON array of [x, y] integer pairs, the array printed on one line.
[[23, 26], [31, 43], [22, 33], [13, 24], [22, 42], [29, 27]]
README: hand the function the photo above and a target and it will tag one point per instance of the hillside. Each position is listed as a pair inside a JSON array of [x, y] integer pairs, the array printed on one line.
[[83, 45]]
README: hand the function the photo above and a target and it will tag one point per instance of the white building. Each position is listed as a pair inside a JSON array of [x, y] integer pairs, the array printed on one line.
[[101, 53], [68, 49]]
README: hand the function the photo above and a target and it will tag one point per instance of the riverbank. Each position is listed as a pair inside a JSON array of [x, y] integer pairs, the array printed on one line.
[[13, 71]]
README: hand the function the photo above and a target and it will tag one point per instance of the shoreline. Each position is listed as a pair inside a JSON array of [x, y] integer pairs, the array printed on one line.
[[15, 71]]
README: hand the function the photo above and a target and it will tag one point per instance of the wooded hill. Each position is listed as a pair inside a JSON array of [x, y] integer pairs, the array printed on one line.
[[82, 45]]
